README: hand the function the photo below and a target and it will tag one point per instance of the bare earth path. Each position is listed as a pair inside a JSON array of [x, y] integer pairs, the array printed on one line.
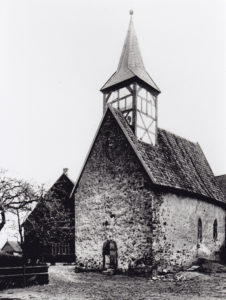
[[67, 285]]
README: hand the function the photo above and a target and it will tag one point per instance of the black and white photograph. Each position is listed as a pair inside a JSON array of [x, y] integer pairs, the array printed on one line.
[[112, 149]]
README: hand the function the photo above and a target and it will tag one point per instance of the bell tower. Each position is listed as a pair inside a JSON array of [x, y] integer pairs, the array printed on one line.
[[131, 90]]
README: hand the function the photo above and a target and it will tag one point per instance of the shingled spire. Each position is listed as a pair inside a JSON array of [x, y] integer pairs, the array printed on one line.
[[131, 63], [132, 91]]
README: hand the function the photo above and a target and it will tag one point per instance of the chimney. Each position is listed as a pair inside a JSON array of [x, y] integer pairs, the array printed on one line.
[[65, 171]]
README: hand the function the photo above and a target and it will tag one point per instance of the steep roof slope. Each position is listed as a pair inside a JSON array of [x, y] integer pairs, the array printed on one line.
[[222, 182], [61, 188], [131, 63], [174, 162]]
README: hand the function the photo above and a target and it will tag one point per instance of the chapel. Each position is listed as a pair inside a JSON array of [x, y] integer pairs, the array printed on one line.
[[145, 198]]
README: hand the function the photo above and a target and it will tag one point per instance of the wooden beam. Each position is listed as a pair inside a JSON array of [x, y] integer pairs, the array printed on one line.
[[134, 105], [147, 115], [104, 103], [129, 89], [108, 96], [156, 123]]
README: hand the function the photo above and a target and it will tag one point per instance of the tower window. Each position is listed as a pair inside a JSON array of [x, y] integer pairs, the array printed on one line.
[[199, 230], [215, 230]]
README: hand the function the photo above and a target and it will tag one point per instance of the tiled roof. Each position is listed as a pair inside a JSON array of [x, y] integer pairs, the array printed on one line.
[[62, 187], [222, 182], [174, 162], [131, 63]]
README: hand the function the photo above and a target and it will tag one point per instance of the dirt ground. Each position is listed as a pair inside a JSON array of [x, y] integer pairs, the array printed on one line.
[[66, 285]]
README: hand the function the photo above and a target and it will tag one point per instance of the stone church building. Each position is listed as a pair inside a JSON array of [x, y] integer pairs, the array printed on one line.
[[145, 197]]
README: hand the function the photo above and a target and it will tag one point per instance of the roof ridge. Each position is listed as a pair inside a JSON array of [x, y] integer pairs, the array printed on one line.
[[63, 174], [131, 141]]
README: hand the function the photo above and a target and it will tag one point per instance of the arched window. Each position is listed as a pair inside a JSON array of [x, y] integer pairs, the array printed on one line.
[[199, 230], [215, 230]]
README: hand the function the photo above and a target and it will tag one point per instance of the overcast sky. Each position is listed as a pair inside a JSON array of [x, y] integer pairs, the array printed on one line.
[[56, 54]]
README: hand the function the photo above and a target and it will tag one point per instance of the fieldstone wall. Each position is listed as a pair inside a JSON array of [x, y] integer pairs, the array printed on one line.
[[113, 202], [175, 233]]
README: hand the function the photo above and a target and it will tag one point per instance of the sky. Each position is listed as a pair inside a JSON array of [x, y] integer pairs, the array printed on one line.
[[55, 55]]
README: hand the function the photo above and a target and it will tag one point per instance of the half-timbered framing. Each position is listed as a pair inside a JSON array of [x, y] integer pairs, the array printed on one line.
[[132, 91]]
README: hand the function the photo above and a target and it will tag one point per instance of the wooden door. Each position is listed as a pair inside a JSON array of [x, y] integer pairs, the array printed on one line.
[[110, 255]]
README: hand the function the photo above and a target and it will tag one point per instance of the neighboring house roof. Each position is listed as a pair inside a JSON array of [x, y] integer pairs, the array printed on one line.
[[63, 182], [14, 245], [131, 63], [174, 162], [62, 185], [222, 182]]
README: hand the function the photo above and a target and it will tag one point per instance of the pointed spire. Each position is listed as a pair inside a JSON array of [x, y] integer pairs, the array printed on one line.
[[131, 62], [131, 55]]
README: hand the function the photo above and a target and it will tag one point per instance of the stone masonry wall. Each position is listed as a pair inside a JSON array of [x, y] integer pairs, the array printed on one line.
[[113, 201], [175, 235]]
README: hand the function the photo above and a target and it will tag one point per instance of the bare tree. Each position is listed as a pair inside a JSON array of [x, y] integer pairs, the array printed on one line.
[[15, 195], [17, 222]]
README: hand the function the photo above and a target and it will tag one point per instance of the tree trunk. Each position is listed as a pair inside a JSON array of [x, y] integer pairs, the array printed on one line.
[[3, 220], [20, 228]]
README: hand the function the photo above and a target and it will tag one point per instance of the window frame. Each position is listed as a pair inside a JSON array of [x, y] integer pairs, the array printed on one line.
[[200, 232]]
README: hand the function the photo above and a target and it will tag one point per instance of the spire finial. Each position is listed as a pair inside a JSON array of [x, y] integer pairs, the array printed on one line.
[[131, 63]]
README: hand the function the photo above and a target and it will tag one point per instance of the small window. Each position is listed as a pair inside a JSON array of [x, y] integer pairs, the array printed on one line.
[[122, 104], [144, 106], [124, 92], [129, 102], [199, 230], [139, 100], [215, 230]]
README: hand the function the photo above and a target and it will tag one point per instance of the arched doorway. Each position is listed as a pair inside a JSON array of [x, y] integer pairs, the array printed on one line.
[[110, 255]]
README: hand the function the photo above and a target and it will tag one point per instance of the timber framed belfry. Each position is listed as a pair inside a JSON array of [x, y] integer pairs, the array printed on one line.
[[131, 90], [145, 198]]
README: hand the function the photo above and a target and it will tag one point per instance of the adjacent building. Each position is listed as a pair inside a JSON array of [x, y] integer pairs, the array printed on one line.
[[49, 229]]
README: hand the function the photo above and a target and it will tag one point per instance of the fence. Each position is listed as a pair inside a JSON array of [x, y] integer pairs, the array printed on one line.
[[23, 276]]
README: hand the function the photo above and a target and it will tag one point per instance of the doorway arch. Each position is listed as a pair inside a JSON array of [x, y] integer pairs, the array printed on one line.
[[110, 255]]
